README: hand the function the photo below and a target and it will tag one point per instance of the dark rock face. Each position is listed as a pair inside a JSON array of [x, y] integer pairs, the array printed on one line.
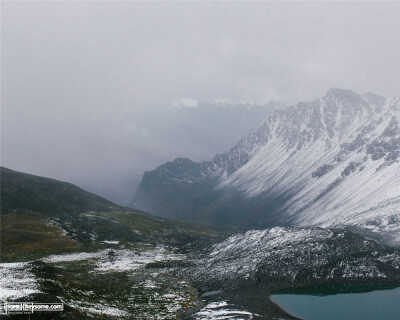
[[322, 170], [320, 146], [352, 167], [387, 144]]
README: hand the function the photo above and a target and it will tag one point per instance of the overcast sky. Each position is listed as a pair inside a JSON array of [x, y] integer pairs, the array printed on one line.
[[73, 72]]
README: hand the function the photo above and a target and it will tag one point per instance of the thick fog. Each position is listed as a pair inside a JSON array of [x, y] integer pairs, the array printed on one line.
[[95, 93]]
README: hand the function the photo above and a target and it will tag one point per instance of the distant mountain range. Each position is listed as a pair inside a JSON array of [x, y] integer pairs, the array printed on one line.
[[330, 162], [167, 132]]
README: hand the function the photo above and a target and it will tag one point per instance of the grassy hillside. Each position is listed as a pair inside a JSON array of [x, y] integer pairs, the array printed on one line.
[[24, 191], [41, 216], [26, 234]]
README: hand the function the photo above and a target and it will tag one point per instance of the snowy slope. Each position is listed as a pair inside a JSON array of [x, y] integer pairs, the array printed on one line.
[[340, 162], [330, 162], [297, 257]]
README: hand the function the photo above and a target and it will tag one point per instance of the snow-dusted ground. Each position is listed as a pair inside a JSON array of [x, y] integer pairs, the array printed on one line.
[[76, 256], [98, 308], [16, 281], [119, 260], [287, 255], [221, 310], [296, 255]]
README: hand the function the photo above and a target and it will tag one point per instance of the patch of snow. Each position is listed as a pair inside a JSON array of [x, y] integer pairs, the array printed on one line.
[[118, 260], [124, 260], [111, 242], [221, 310], [96, 308], [76, 256], [16, 281]]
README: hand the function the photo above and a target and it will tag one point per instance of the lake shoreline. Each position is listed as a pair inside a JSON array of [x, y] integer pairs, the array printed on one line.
[[321, 292]]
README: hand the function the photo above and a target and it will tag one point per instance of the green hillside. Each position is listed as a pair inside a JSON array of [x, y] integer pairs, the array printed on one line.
[[41, 216], [24, 191]]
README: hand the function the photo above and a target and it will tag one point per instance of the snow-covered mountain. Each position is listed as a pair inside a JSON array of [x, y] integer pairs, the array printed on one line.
[[330, 162]]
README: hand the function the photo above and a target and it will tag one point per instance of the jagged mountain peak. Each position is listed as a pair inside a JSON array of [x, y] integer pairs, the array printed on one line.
[[343, 94]]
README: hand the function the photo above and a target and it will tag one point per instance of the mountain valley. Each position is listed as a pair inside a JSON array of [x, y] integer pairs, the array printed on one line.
[[55, 250]]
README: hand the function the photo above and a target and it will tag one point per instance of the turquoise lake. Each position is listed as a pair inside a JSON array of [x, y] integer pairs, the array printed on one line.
[[374, 305]]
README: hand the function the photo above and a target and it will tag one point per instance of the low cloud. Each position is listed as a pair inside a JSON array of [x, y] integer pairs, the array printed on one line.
[[82, 82], [185, 102]]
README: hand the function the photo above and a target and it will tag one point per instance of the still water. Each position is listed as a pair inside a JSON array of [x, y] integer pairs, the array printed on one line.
[[380, 304]]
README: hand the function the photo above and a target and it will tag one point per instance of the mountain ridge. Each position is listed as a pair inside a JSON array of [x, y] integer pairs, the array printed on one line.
[[26, 191], [289, 170]]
